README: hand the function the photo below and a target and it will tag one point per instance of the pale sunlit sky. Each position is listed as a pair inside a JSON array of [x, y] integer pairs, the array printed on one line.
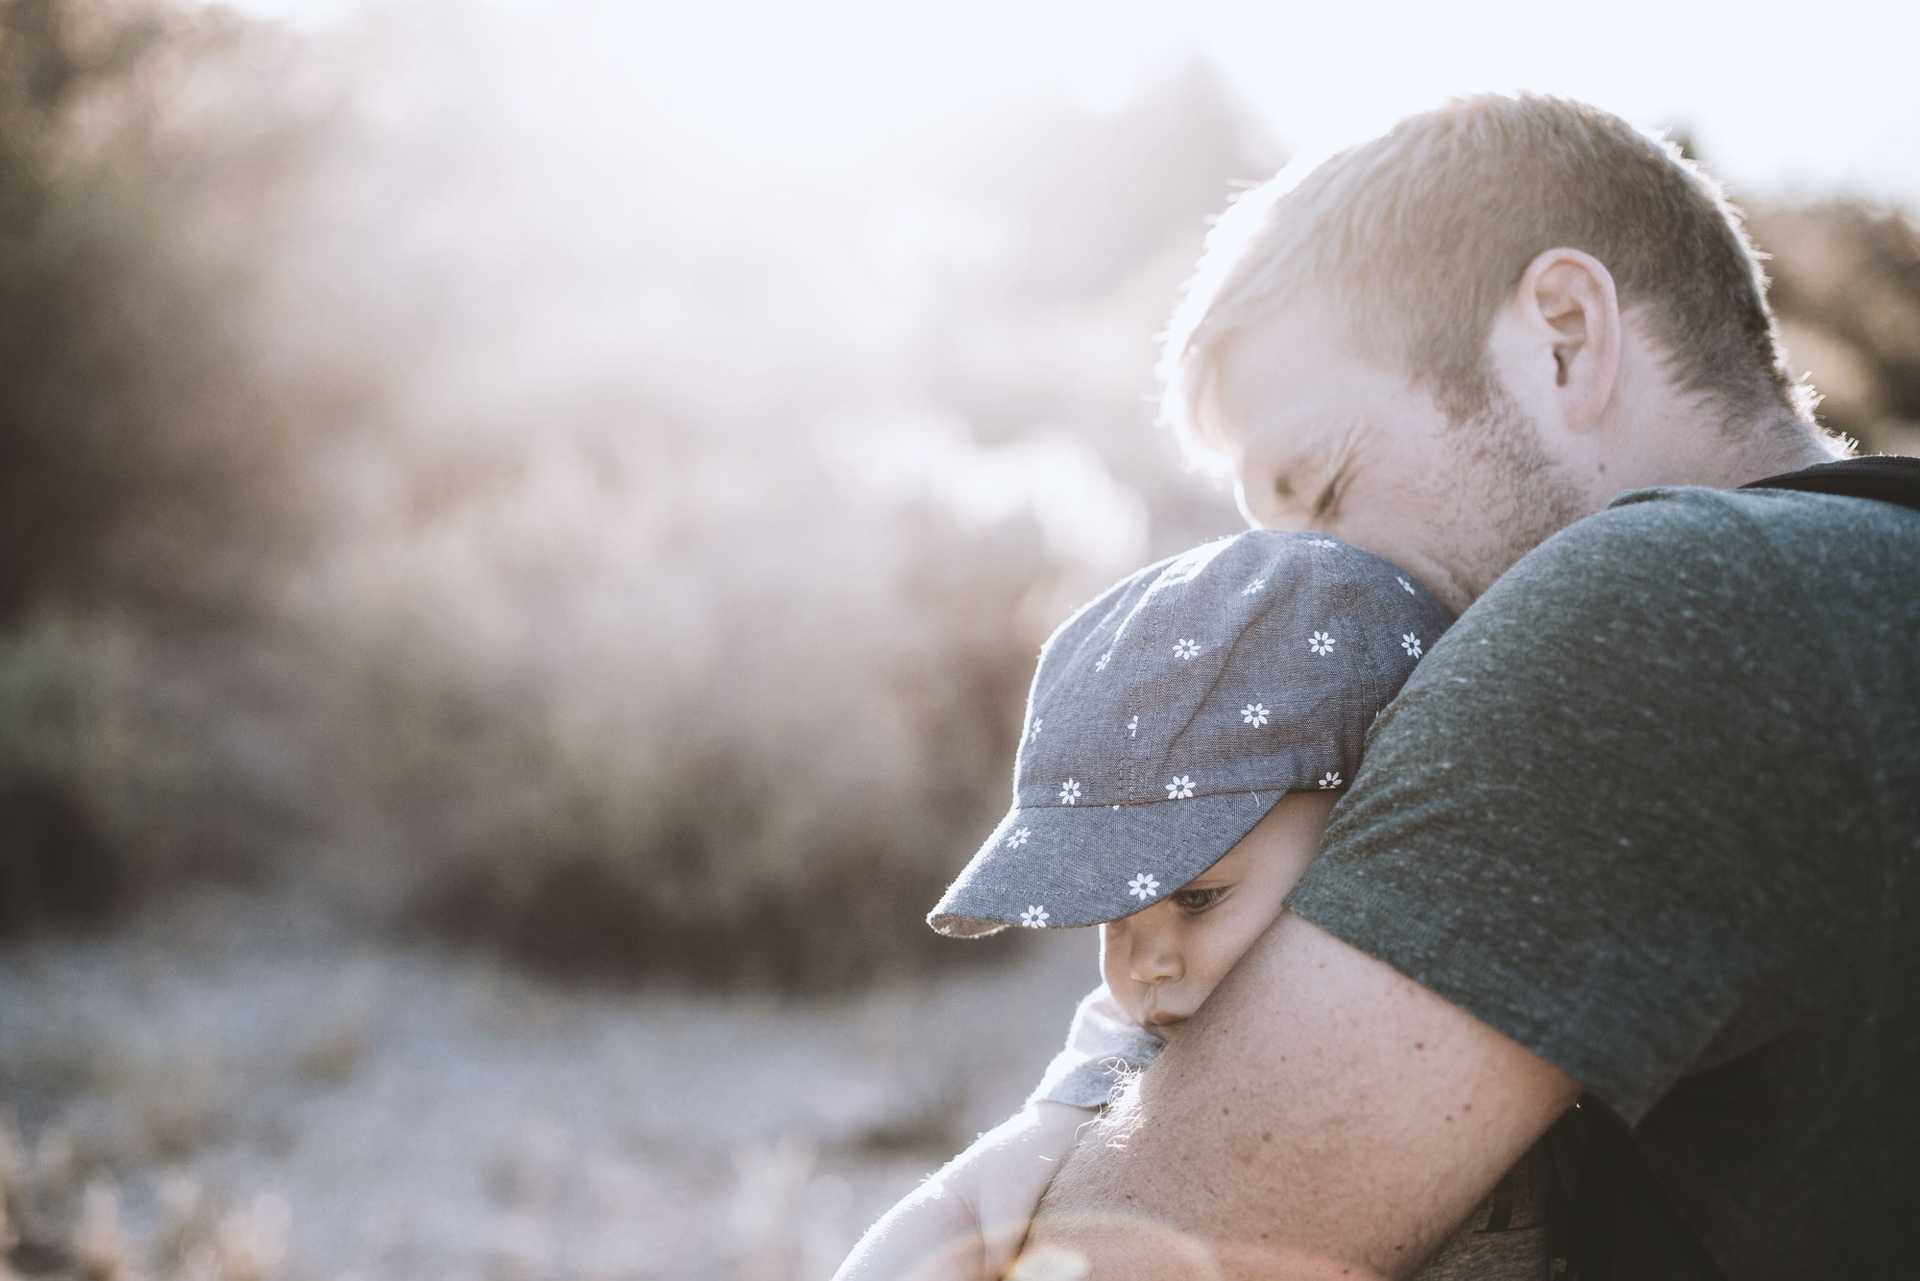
[[1783, 98]]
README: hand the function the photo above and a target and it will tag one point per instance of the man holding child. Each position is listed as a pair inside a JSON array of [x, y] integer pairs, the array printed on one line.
[[1642, 829]]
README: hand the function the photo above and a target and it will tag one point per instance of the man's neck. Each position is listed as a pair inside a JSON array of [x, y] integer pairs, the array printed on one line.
[[1771, 448]]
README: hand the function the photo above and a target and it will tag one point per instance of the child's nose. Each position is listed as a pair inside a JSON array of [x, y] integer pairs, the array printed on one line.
[[1155, 958]]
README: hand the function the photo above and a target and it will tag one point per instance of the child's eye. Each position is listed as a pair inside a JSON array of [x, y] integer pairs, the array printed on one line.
[[1199, 900]]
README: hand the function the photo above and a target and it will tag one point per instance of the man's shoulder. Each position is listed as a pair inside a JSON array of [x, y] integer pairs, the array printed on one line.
[[1820, 498], [1673, 590], [1653, 553], [1669, 520], [1657, 550]]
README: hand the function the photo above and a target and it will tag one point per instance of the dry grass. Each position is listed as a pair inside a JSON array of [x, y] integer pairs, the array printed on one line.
[[489, 1125]]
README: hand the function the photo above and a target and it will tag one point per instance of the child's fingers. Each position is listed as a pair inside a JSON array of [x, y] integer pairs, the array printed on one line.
[[1050, 1264]]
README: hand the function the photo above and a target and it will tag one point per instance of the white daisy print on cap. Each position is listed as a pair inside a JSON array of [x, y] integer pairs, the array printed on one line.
[[1143, 886], [1186, 647], [1034, 918], [1330, 779], [1321, 643], [1070, 792], [1019, 838], [1410, 643], [1254, 714], [1180, 788]]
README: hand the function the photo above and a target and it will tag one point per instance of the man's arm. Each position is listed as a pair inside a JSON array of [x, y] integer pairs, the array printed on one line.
[[1321, 1116]]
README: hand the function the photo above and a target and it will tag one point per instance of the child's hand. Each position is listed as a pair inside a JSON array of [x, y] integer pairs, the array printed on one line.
[[1007, 1170], [966, 1222]]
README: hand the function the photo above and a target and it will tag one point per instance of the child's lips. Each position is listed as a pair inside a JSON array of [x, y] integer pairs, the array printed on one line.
[[1162, 1018]]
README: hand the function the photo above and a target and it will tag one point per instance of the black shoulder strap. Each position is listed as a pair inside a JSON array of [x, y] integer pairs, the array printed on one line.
[[1609, 1219], [1889, 478]]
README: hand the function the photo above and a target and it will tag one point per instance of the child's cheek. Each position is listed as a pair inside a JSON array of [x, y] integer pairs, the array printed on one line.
[[1214, 950], [1113, 964]]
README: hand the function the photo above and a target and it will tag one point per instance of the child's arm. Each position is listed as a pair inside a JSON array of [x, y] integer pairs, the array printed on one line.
[[966, 1222]]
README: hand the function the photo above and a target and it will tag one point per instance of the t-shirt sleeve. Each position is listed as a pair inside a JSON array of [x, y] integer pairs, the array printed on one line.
[[1103, 1047], [1593, 817]]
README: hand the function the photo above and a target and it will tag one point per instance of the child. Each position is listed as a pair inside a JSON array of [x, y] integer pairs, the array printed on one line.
[[1186, 733]]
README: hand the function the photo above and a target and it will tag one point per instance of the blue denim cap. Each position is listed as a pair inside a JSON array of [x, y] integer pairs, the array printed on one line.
[[1168, 715]]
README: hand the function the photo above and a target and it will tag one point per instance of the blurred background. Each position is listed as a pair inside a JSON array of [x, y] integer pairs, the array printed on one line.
[[523, 533]]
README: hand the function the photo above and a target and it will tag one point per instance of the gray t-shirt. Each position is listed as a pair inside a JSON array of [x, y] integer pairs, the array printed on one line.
[[1652, 809]]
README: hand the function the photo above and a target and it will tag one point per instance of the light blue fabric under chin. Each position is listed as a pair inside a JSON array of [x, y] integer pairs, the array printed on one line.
[[1103, 1048]]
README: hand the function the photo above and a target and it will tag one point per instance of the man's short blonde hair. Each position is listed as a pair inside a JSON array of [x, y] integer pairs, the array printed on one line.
[[1419, 235]]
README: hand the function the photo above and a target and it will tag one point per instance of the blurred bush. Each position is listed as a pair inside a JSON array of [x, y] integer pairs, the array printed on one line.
[[145, 488], [679, 615], [142, 462], [121, 776], [457, 466], [752, 755], [1846, 282], [58, 866], [744, 759]]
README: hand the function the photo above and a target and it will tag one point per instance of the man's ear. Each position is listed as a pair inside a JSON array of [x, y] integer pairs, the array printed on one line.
[[1568, 317]]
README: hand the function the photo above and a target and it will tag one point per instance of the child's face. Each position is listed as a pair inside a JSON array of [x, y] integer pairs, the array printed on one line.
[[1161, 963]]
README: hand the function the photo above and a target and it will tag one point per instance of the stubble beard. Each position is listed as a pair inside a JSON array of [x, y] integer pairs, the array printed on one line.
[[1513, 495]]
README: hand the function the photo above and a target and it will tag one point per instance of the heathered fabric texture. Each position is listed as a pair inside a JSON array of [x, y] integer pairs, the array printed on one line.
[[1652, 810], [1168, 715]]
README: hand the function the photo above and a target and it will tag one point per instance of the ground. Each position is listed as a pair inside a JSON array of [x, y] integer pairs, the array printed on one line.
[[237, 1087]]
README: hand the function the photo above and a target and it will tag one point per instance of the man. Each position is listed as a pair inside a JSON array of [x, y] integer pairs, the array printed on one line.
[[1645, 824]]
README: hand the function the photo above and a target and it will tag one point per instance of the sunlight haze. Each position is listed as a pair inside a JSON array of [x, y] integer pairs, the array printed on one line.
[[1783, 98]]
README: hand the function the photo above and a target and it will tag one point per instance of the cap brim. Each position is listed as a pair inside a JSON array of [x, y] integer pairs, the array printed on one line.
[[1087, 864]]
